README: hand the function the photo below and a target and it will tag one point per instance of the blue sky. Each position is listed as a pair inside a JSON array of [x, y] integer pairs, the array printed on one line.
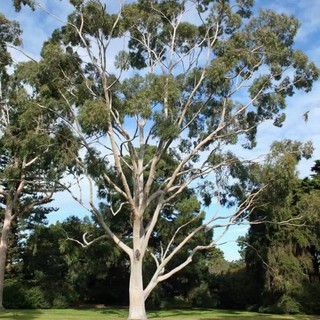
[[38, 26]]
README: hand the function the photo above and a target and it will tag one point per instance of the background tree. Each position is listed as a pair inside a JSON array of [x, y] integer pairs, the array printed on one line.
[[65, 275], [177, 89], [34, 148], [283, 259]]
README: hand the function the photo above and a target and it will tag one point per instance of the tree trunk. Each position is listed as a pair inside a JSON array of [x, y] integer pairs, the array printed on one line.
[[137, 310], [3, 252]]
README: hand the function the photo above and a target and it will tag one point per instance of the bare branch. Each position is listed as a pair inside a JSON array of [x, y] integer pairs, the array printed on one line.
[[163, 256], [119, 209]]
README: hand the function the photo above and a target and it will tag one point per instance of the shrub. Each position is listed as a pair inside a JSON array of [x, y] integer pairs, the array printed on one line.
[[60, 302], [37, 299], [14, 295], [201, 297], [285, 305], [18, 295], [307, 298]]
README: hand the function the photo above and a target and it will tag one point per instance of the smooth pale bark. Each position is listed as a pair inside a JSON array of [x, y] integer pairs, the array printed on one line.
[[3, 251], [137, 310]]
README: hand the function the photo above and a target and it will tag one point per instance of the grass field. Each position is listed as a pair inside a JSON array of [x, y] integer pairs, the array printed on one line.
[[121, 314]]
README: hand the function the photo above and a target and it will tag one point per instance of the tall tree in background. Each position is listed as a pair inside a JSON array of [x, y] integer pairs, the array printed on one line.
[[184, 89], [9, 33], [284, 258], [33, 148]]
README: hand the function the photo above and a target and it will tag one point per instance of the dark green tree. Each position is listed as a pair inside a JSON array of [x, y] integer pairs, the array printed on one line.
[[68, 275], [34, 148], [177, 88], [282, 252]]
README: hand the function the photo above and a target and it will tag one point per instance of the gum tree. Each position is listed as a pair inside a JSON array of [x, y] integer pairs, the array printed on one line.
[[34, 154], [154, 78], [33, 148]]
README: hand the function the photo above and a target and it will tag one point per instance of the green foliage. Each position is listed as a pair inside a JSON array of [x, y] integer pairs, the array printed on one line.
[[14, 295], [94, 116], [201, 297], [284, 257], [122, 60], [31, 296], [9, 33], [67, 274], [19, 3], [272, 33], [36, 298]]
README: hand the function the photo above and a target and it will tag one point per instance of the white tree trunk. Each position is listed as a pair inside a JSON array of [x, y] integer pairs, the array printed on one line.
[[137, 310], [3, 252]]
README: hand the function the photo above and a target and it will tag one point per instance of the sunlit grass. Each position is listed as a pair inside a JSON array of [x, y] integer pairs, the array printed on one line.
[[121, 314]]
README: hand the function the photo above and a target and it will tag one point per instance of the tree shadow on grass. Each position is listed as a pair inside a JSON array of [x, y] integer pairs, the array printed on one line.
[[175, 313], [114, 312], [108, 311], [262, 317], [23, 314], [182, 312], [222, 315]]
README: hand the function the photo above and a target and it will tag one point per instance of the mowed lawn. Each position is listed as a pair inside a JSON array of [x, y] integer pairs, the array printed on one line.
[[121, 314]]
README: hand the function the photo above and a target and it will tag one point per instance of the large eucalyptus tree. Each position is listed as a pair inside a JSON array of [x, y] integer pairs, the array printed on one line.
[[165, 77]]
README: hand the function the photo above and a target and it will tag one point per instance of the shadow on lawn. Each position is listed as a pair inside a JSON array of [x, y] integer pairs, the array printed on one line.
[[227, 315], [230, 317], [174, 313], [20, 314], [108, 311], [193, 312]]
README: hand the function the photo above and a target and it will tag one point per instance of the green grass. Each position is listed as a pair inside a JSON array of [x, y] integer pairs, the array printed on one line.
[[121, 314]]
